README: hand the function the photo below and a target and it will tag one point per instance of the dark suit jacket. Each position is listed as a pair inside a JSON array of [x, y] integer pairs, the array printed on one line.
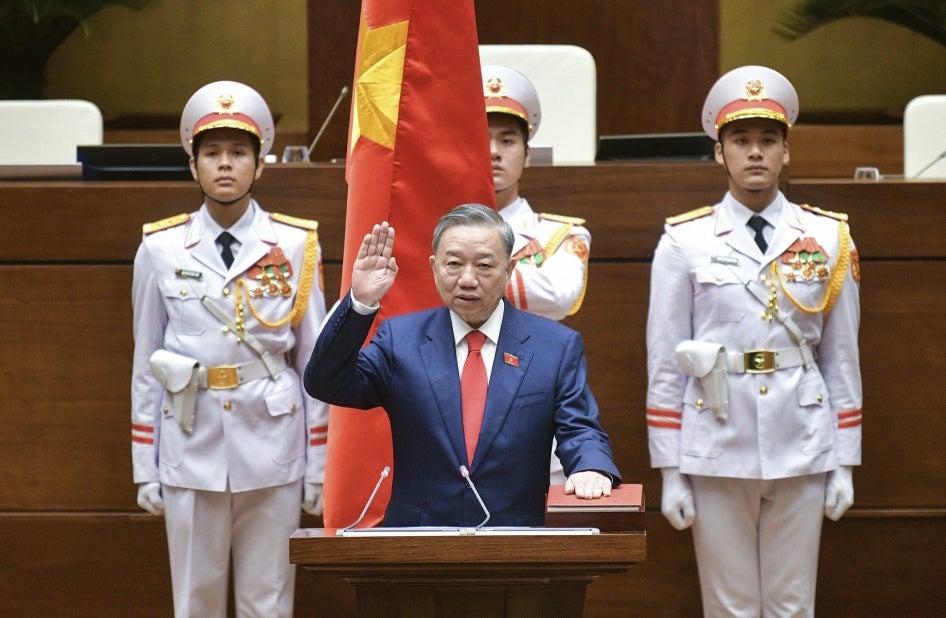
[[410, 369]]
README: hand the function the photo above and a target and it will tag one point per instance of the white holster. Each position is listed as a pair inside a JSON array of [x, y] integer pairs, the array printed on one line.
[[179, 376], [707, 361]]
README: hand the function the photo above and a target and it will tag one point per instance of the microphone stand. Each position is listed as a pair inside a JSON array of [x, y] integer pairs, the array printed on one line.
[[341, 95], [384, 474], [466, 476], [941, 156]]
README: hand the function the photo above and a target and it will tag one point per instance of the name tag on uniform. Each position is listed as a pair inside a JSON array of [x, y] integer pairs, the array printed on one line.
[[183, 273], [725, 259]]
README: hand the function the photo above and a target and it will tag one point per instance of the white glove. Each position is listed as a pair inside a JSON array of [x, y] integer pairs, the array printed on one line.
[[312, 497], [839, 492], [149, 497], [676, 500], [588, 484]]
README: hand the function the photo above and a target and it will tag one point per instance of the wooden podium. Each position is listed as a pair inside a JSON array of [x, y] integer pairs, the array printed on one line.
[[475, 576]]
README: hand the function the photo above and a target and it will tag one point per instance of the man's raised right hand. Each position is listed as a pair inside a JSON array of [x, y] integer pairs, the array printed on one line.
[[375, 267]]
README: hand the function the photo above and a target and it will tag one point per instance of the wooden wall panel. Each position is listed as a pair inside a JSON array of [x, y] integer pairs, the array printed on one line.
[[104, 218], [625, 205], [68, 397], [116, 565], [655, 60], [72, 384], [68, 504], [835, 151]]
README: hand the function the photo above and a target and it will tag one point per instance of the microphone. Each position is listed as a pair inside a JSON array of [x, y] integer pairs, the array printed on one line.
[[341, 95], [466, 476], [384, 474], [940, 156]]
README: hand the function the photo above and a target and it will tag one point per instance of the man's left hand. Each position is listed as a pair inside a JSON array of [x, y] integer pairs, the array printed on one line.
[[312, 496], [588, 484]]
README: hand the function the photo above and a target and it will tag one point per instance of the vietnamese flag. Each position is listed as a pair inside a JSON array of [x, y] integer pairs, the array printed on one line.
[[418, 146]]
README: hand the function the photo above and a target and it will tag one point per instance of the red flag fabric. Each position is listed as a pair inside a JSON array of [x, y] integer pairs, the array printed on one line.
[[418, 146]]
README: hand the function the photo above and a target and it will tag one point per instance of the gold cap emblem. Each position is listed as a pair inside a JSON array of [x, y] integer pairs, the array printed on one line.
[[494, 87], [755, 90], [226, 104]]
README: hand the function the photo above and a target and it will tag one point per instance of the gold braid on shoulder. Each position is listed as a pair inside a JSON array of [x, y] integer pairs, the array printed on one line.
[[834, 283], [310, 260]]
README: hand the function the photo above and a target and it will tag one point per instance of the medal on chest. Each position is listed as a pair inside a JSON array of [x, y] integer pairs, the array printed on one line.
[[271, 275], [805, 261]]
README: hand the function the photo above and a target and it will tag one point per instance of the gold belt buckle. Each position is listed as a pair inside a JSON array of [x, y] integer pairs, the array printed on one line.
[[759, 361], [222, 376]]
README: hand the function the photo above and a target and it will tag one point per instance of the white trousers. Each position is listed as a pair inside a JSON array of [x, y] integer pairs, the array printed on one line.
[[204, 527], [757, 544]]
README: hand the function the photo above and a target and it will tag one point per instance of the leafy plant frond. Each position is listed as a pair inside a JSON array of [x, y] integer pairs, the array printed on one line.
[[925, 17]]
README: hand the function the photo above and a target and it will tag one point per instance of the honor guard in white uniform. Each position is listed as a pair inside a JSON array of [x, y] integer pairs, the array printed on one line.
[[551, 251], [227, 307], [754, 394]]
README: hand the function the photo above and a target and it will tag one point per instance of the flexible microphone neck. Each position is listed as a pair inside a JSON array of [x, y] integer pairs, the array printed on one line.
[[466, 476], [384, 474], [938, 157], [341, 95]]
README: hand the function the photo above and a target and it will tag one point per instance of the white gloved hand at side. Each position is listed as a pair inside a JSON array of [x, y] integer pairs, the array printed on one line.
[[149, 497], [839, 492], [312, 497], [676, 500]]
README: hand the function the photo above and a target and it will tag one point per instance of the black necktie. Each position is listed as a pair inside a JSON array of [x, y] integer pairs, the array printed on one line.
[[758, 224], [226, 239]]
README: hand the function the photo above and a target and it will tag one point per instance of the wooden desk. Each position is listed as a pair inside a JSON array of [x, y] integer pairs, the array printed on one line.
[[65, 336], [485, 576]]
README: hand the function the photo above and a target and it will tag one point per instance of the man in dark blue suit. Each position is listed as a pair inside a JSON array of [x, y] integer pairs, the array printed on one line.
[[475, 384]]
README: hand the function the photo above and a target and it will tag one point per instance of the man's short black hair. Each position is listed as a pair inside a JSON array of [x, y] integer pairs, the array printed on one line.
[[254, 142]]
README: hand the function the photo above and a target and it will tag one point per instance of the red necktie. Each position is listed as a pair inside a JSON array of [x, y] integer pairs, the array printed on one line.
[[473, 391]]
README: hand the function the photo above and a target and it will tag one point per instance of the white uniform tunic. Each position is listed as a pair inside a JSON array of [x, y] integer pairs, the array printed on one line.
[[551, 285], [234, 483], [757, 476], [248, 437], [790, 422]]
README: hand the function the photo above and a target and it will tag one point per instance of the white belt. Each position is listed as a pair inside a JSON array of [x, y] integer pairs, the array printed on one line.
[[764, 361], [231, 376]]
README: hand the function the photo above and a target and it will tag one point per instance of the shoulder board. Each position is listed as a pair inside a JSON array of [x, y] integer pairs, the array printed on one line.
[[690, 216], [840, 216], [163, 224], [561, 218], [306, 224]]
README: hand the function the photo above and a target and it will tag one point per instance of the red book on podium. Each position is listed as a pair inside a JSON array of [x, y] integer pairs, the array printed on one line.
[[621, 511]]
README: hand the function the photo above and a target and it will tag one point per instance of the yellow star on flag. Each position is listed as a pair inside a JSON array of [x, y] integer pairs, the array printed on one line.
[[378, 85]]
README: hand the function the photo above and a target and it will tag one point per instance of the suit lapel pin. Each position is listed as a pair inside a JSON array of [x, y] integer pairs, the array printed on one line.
[[510, 359]]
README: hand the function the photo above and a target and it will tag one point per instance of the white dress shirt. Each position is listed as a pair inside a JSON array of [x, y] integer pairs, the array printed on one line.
[[770, 213], [490, 328], [238, 230]]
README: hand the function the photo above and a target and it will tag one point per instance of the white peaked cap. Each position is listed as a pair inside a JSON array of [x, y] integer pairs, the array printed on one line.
[[231, 105], [749, 92]]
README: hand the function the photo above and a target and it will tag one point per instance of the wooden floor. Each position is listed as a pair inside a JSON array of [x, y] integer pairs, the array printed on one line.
[[73, 542]]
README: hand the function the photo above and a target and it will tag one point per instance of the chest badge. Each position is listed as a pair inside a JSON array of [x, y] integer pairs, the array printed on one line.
[[532, 253], [271, 275], [805, 261]]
